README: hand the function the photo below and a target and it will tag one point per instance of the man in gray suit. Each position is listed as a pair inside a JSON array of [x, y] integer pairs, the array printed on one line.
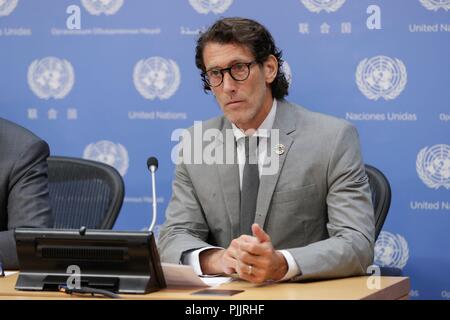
[[312, 218], [24, 199]]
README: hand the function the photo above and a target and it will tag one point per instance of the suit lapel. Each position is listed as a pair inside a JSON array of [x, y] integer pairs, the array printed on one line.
[[229, 180], [285, 123]]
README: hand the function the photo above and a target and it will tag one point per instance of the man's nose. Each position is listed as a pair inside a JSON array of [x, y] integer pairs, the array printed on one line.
[[229, 84]]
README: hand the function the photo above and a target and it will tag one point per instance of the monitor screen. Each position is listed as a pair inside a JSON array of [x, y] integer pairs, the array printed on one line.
[[118, 261]]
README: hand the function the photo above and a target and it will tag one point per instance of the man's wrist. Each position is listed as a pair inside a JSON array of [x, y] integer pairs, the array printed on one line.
[[209, 261], [282, 268]]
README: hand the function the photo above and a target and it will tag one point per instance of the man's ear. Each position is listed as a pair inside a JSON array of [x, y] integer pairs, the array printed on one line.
[[270, 68]]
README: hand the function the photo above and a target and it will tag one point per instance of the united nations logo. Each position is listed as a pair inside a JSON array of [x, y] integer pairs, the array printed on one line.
[[110, 153], [391, 250], [7, 6], [433, 166], [97, 7], [287, 72], [319, 5], [51, 77], [215, 6], [381, 76], [435, 5], [156, 77]]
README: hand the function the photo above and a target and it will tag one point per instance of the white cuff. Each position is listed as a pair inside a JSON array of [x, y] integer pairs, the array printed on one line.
[[293, 269], [193, 259]]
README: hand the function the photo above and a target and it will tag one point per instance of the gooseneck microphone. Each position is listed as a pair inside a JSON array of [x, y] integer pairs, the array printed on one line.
[[152, 165]]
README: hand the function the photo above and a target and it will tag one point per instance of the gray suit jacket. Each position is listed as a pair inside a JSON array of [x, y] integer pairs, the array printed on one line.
[[317, 206], [24, 199]]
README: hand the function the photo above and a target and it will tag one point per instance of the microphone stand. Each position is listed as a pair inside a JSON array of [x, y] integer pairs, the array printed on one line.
[[152, 170]]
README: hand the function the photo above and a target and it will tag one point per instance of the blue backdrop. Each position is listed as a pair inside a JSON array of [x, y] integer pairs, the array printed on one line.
[[111, 80]]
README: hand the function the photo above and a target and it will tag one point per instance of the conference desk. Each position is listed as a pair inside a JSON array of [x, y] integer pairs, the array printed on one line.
[[354, 288]]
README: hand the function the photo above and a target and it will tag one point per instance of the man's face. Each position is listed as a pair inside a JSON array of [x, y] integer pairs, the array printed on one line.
[[245, 103]]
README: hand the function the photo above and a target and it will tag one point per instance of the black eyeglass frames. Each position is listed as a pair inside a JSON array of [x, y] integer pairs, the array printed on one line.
[[239, 71]]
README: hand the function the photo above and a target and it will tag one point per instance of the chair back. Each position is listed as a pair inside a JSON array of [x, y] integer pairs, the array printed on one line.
[[84, 193], [381, 196]]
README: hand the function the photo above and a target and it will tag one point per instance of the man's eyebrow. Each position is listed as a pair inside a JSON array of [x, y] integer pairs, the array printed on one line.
[[229, 64], [213, 68]]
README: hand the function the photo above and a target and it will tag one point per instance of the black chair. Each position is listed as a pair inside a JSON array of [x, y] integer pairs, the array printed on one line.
[[381, 199], [84, 193], [381, 196]]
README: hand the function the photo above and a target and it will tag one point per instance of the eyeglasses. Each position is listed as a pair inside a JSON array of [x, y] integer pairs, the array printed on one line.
[[238, 71]]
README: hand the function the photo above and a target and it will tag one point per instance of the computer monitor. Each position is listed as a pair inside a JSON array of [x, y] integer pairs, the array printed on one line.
[[117, 261]]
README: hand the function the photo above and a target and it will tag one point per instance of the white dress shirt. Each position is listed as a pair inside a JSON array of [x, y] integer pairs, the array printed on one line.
[[263, 132]]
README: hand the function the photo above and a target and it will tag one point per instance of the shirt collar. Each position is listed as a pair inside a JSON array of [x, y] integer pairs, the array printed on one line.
[[264, 129]]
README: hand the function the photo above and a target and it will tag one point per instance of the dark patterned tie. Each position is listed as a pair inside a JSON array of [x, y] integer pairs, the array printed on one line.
[[250, 185]]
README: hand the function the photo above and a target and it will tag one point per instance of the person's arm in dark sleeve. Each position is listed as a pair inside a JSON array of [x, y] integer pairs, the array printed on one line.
[[28, 199]]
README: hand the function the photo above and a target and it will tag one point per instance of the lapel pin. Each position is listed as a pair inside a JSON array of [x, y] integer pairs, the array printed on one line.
[[279, 149]]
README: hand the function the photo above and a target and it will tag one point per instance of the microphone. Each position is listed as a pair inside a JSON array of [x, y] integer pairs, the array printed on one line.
[[152, 165]]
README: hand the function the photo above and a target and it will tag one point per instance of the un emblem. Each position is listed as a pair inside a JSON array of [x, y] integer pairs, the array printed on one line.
[[381, 76], [433, 166], [51, 78], [156, 77], [110, 153], [391, 250], [206, 6], [435, 5], [7, 6], [319, 5], [97, 7]]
